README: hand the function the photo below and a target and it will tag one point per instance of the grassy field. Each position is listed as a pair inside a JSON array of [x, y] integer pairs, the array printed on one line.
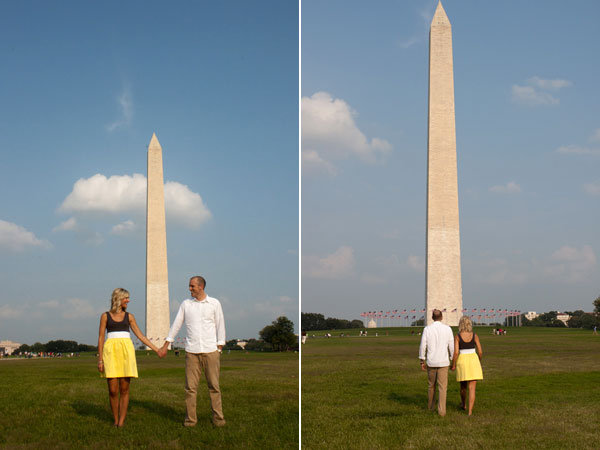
[[63, 403], [541, 389]]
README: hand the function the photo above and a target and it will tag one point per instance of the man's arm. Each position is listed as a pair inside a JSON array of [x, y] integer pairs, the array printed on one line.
[[220, 326], [450, 343], [173, 331], [423, 349]]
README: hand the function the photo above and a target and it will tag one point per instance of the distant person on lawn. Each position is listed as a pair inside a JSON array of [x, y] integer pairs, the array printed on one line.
[[116, 355], [466, 361], [435, 351]]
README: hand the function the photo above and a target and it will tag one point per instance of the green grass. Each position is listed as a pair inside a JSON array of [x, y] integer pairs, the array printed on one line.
[[541, 389], [63, 403]]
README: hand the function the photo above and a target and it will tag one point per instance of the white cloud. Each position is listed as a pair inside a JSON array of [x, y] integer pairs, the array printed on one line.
[[281, 306], [125, 193], [51, 304], [510, 188], [571, 265], [312, 163], [339, 264], [8, 312], [548, 84], [385, 268], [76, 308], [124, 228], [595, 137], [499, 271], [68, 225], [329, 132], [528, 95], [577, 150], [16, 238], [536, 93], [125, 102], [592, 188], [416, 262]]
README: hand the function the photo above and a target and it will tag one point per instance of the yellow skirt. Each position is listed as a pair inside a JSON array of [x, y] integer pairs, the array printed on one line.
[[119, 358], [468, 367]]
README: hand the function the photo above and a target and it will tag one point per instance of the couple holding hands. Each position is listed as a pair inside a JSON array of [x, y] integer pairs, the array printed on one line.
[[205, 338]]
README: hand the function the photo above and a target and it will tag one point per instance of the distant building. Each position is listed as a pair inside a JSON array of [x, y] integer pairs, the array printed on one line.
[[8, 347], [563, 318], [372, 324], [531, 315]]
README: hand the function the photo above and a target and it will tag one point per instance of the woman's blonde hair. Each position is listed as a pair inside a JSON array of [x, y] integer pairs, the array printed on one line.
[[465, 324], [117, 297]]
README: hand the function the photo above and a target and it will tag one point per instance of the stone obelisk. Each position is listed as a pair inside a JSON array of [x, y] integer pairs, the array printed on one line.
[[443, 276], [157, 279]]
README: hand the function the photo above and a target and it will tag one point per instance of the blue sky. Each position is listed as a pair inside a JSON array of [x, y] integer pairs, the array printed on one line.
[[528, 147], [83, 88]]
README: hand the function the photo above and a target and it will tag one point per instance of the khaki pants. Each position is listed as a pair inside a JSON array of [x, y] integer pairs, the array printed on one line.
[[210, 364], [438, 375]]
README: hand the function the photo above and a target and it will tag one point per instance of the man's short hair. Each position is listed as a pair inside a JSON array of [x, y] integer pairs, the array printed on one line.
[[436, 315], [200, 280]]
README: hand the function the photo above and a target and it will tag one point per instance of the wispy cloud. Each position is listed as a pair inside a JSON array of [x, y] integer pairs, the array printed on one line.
[[574, 149], [125, 104], [124, 228], [592, 188], [426, 15], [339, 264], [509, 188], [329, 132], [76, 308], [571, 265], [70, 224], [16, 238], [577, 150], [535, 92], [10, 312]]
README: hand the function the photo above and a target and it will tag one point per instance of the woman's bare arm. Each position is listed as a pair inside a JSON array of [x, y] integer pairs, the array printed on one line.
[[456, 351], [101, 332], [139, 334], [478, 346]]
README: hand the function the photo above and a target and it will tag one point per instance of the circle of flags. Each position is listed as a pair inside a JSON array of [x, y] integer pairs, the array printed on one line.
[[483, 316]]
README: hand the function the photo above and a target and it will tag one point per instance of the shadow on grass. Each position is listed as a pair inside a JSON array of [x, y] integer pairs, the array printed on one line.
[[84, 408], [417, 399], [159, 409]]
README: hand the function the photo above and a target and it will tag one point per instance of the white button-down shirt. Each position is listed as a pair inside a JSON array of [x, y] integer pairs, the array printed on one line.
[[204, 325], [437, 343]]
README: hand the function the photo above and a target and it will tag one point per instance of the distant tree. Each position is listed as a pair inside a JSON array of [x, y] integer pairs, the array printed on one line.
[[22, 349], [280, 334], [60, 346], [312, 321], [86, 348], [597, 305], [356, 324], [232, 345], [258, 345], [38, 347], [418, 323]]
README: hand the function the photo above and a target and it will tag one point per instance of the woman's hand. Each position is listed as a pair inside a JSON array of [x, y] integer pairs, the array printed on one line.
[[100, 366]]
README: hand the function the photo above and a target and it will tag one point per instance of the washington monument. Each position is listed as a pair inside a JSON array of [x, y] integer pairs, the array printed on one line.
[[443, 276], [157, 279]]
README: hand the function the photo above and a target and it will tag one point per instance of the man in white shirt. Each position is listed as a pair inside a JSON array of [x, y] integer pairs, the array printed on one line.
[[436, 352], [205, 338]]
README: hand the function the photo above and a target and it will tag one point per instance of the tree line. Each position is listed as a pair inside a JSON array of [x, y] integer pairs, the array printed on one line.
[[58, 346], [315, 321], [578, 319], [279, 336]]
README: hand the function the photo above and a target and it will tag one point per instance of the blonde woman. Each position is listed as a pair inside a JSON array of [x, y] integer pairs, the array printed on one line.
[[116, 355], [466, 361]]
